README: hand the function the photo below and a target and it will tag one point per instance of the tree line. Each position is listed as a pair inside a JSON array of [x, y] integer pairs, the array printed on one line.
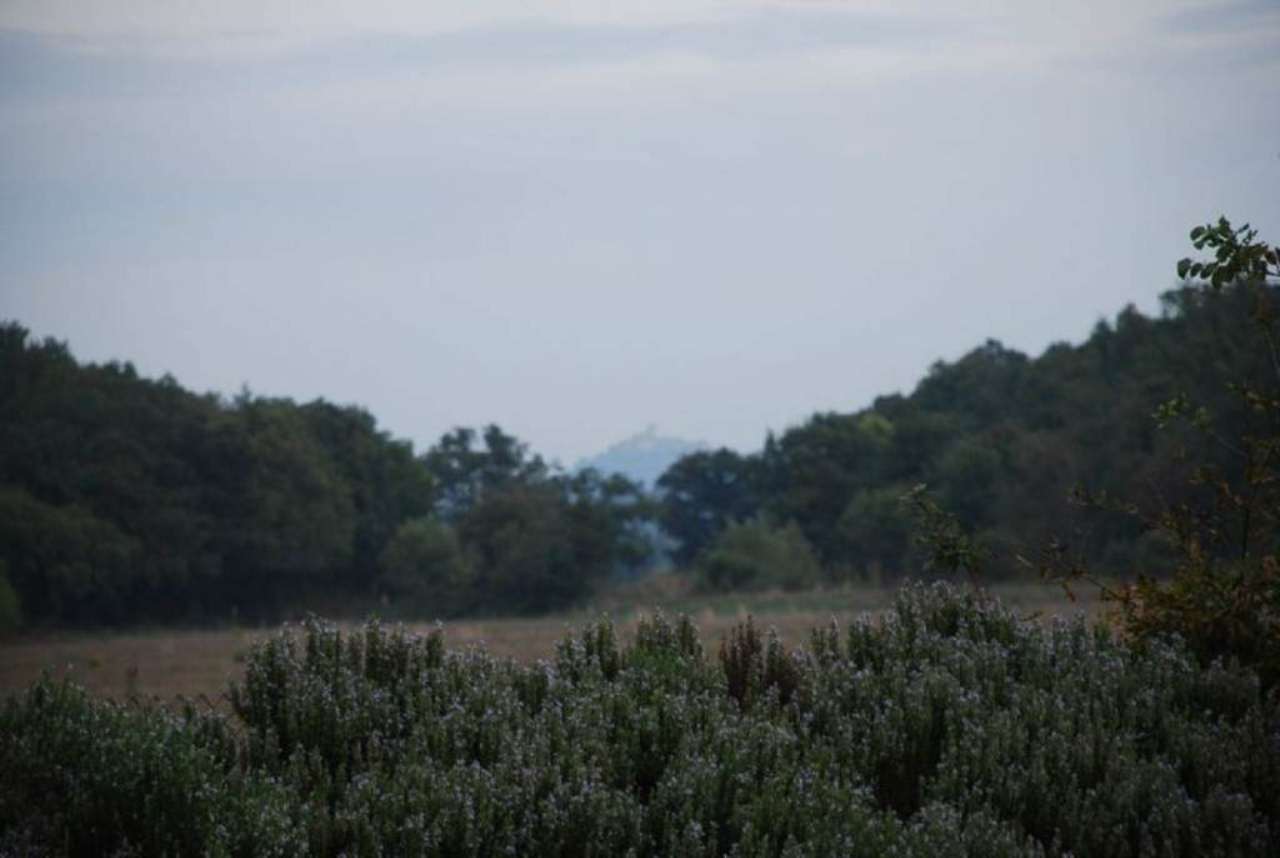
[[125, 499], [1006, 443]]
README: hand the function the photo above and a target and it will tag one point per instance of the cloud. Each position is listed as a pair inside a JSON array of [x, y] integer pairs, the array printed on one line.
[[393, 50], [266, 25], [41, 65]]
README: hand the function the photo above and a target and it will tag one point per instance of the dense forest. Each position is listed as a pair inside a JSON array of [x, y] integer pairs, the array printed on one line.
[[1003, 441], [125, 499]]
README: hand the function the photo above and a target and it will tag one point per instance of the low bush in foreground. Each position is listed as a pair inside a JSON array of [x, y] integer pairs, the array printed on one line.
[[946, 727]]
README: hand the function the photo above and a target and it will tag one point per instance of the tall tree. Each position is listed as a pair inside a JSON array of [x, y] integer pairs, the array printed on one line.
[[464, 470], [702, 493]]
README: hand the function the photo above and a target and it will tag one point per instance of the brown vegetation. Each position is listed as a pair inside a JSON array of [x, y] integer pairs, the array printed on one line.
[[192, 663]]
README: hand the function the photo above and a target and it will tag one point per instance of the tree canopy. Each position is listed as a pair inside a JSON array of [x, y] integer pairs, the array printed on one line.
[[128, 499], [1000, 439], [125, 499]]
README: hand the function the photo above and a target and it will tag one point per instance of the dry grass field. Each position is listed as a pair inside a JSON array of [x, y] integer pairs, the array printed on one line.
[[167, 663]]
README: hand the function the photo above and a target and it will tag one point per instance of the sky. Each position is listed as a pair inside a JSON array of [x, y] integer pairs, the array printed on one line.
[[579, 219]]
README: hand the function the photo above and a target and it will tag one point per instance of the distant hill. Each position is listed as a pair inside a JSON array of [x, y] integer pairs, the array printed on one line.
[[642, 457]]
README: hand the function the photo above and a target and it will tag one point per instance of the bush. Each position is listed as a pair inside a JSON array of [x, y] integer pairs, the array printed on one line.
[[756, 555], [86, 777], [949, 726], [532, 549], [424, 562]]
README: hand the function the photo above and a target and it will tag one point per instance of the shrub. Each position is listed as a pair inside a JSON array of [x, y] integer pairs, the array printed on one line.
[[754, 664], [86, 777], [756, 554], [424, 562], [948, 726]]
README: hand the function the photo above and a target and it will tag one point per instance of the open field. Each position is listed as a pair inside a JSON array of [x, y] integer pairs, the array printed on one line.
[[167, 663]]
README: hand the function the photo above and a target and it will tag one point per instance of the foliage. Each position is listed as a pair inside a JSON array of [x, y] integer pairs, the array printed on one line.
[[755, 666], [755, 555], [126, 500], [465, 473], [515, 535], [702, 493], [85, 777], [1223, 593], [388, 484], [873, 531], [616, 511], [948, 726], [1001, 439], [812, 474], [424, 561], [64, 560], [950, 547], [528, 555], [296, 513]]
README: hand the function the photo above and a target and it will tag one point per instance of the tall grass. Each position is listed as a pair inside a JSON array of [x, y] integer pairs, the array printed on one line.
[[946, 727]]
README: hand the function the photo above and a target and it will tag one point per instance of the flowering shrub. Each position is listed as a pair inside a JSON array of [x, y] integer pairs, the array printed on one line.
[[948, 726], [90, 777]]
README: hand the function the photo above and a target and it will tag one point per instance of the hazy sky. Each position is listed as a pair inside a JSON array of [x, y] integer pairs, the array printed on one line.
[[577, 219]]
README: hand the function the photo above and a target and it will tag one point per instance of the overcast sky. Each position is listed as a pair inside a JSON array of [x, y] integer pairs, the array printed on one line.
[[577, 219]]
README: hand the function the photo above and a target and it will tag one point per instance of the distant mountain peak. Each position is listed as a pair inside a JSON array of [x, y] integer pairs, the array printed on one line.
[[643, 456]]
